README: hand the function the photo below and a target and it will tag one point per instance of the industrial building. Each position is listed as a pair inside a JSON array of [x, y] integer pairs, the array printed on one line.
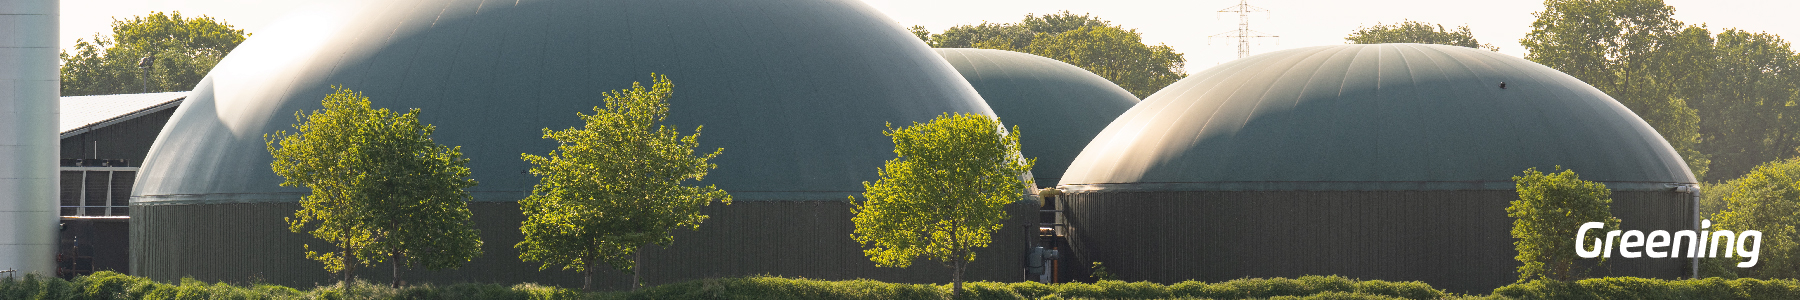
[[104, 140], [1390, 161], [796, 92]]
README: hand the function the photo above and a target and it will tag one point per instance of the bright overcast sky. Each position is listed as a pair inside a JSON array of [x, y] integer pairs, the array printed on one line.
[[1184, 25]]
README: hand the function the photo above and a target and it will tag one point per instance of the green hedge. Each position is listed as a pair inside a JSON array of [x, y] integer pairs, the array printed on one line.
[[1308, 287], [1646, 288], [109, 285]]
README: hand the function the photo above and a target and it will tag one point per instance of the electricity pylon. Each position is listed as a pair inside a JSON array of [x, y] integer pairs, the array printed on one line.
[[1243, 33]]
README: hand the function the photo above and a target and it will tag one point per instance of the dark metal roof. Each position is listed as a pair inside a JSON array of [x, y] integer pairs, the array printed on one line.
[[1374, 117], [797, 92], [1059, 107]]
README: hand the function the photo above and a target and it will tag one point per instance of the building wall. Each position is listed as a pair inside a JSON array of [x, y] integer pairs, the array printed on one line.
[[1455, 240], [245, 242], [129, 140], [88, 245]]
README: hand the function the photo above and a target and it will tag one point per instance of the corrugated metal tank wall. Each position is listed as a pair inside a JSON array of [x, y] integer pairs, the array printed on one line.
[[808, 239], [1455, 240]]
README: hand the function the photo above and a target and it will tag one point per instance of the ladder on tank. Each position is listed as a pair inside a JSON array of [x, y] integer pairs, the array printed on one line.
[[1052, 236]]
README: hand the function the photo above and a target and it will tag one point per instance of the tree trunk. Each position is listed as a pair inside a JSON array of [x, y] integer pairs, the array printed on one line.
[[637, 268], [349, 264], [394, 254], [1562, 269], [394, 258], [956, 280], [957, 261], [587, 275]]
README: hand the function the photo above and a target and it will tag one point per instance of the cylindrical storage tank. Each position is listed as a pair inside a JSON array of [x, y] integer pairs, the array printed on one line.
[[1389, 162], [796, 92], [28, 145], [1059, 107]]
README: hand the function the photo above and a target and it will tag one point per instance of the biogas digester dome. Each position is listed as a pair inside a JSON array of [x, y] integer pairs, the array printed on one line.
[[1389, 161], [796, 92], [1059, 107]]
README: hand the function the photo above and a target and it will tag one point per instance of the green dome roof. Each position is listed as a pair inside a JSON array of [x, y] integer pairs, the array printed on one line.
[[797, 92], [1374, 117], [1059, 107]]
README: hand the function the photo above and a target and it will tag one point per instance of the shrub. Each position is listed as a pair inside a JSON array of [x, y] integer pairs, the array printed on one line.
[[110, 286], [1032, 289], [769, 287], [1408, 290], [1335, 296], [1112, 289], [988, 290], [1649, 288], [1767, 200], [33, 286]]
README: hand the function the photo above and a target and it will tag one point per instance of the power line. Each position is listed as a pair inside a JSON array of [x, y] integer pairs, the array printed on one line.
[[1243, 33]]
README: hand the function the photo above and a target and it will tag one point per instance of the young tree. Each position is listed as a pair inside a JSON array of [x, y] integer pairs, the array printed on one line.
[[945, 194], [184, 50], [1410, 31], [418, 202], [615, 185], [1550, 209], [382, 190], [1114, 53], [1766, 200]]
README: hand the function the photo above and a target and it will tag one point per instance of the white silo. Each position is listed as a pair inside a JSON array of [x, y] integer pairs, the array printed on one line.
[[28, 136]]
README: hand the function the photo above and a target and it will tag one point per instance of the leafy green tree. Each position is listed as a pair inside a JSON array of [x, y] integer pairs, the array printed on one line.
[[1061, 22], [985, 35], [1114, 54], [417, 194], [920, 32], [1712, 196], [1747, 100], [945, 194], [615, 185], [1767, 200], [1111, 51], [1550, 209], [1712, 201], [1622, 48], [1416, 32], [381, 189], [185, 49]]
